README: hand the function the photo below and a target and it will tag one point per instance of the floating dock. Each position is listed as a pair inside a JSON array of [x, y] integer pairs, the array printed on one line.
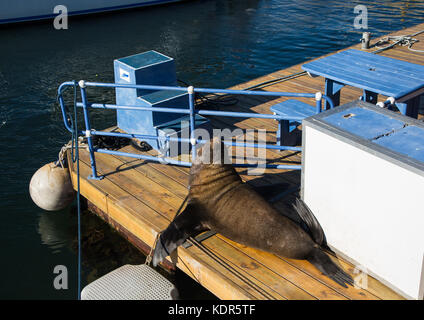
[[140, 198]]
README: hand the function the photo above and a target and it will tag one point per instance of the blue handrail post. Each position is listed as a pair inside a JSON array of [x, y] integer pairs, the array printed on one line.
[[328, 101], [94, 175], [62, 108], [318, 99], [192, 122]]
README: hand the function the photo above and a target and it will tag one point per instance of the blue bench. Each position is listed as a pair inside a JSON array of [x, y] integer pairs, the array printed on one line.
[[291, 110]]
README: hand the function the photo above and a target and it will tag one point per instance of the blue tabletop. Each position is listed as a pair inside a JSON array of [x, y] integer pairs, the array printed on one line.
[[382, 75]]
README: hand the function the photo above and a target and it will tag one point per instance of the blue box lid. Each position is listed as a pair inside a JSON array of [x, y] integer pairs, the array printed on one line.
[[408, 141], [144, 59], [162, 95], [363, 123], [388, 129]]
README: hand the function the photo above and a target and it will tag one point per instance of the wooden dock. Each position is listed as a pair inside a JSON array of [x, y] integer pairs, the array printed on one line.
[[140, 198]]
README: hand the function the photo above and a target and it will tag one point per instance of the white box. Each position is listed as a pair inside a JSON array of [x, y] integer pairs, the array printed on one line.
[[363, 178]]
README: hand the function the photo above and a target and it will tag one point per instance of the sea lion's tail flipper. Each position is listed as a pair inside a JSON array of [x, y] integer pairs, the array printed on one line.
[[324, 264], [311, 222], [185, 225]]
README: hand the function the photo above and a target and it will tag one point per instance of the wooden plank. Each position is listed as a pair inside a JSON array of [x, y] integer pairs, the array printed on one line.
[[309, 284], [257, 271]]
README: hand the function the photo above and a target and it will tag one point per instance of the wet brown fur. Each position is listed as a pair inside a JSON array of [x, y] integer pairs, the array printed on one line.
[[219, 200]]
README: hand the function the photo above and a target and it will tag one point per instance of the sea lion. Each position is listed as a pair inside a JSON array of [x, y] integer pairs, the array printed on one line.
[[219, 200]]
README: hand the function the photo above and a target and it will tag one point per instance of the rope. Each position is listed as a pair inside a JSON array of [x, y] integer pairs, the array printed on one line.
[[61, 157], [213, 100], [403, 40], [62, 161], [76, 159], [278, 80], [149, 256], [216, 100], [74, 146]]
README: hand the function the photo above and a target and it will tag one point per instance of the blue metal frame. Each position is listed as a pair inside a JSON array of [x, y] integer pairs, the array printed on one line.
[[89, 132]]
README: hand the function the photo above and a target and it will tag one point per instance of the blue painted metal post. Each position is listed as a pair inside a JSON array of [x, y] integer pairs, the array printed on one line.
[[318, 100], [62, 107], [332, 90], [192, 122], [410, 107], [88, 132], [370, 97]]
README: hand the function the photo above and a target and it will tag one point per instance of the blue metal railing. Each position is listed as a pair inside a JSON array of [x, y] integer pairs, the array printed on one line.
[[191, 111]]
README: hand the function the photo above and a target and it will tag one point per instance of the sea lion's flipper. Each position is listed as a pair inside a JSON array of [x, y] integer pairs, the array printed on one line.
[[324, 264], [315, 229], [185, 225], [271, 190]]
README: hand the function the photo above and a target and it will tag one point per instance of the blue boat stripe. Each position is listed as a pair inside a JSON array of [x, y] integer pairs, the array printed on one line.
[[73, 13]]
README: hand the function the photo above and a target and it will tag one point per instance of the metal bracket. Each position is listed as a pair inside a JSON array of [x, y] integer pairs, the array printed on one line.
[[91, 177]]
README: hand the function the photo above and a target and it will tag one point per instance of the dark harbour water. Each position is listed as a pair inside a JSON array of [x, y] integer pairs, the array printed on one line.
[[215, 43]]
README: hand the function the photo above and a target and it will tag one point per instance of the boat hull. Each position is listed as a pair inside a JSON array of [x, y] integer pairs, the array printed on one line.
[[12, 11]]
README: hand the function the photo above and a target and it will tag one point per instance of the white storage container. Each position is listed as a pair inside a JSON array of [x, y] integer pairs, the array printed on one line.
[[363, 178]]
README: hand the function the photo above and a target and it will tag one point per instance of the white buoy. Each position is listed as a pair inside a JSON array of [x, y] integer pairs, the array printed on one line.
[[131, 282], [51, 187]]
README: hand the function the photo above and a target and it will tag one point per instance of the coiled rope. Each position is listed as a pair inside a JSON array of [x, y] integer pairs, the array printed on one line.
[[403, 40]]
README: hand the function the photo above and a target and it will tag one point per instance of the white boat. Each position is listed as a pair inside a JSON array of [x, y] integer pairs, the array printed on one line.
[[26, 10]]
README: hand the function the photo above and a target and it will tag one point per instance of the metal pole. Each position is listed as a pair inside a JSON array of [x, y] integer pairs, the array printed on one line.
[[88, 132], [318, 99], [365, 40], [62, 105], [192, 122]]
